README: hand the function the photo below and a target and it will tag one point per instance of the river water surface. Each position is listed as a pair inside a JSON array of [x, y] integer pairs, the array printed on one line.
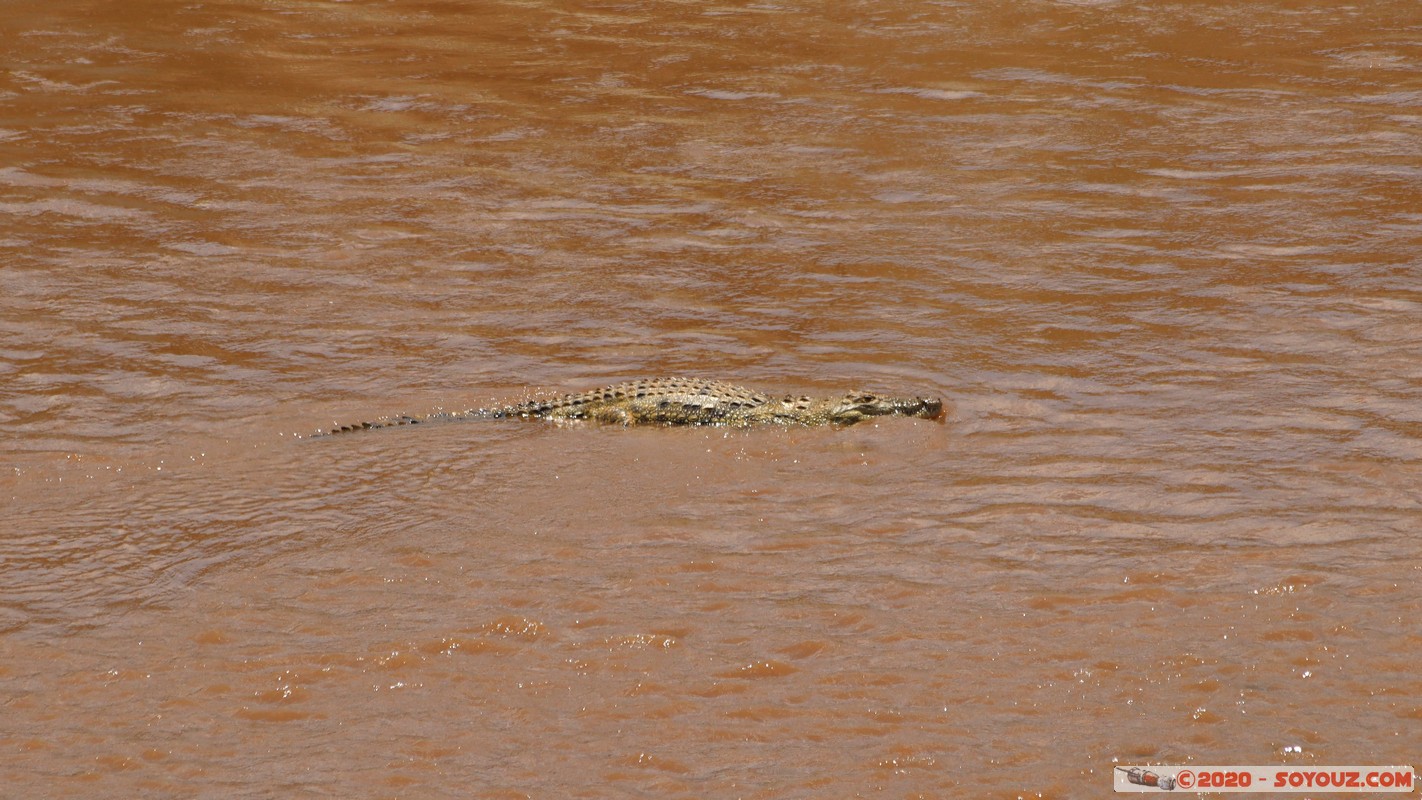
[[1161, 260]]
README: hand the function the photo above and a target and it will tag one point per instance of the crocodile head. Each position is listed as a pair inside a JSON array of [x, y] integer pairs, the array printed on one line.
[[854, 408]]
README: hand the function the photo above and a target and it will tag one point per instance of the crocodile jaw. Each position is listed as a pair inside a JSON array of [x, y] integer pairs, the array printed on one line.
[[859, 407]]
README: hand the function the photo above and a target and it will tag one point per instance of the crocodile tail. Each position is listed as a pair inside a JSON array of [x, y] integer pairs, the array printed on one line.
[[408, 419], [370, 426]]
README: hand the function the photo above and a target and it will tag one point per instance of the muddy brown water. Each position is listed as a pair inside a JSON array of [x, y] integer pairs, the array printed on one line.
[[1161, 259]]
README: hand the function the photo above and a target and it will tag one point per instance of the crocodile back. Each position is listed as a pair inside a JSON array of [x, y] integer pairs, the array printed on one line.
[[668, 401]]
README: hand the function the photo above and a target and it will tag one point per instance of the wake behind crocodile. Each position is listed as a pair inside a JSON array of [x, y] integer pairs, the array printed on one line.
[[682, 401]]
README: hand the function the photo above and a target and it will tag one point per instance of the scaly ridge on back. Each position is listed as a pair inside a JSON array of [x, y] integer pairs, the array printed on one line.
[[685, 401]]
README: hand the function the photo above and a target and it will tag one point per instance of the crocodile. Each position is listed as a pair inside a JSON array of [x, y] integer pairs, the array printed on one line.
[[683, 401]]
